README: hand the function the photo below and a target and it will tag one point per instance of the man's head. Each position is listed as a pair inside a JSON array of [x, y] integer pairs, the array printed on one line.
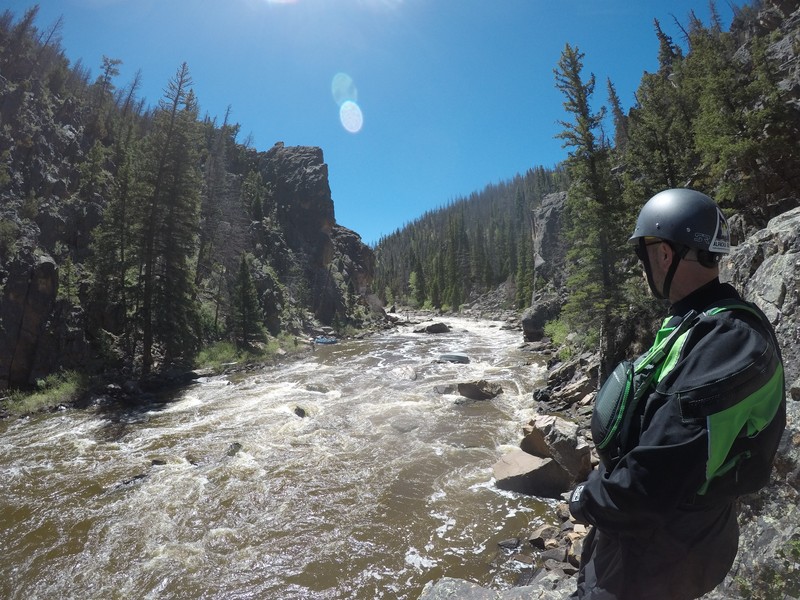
[[680, 236]]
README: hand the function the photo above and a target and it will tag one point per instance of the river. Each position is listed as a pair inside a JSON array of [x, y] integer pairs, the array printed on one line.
[[228, 491]]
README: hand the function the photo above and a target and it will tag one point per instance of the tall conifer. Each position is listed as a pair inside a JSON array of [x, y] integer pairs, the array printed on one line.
[[593, 213], [247, 314], [169, 311]]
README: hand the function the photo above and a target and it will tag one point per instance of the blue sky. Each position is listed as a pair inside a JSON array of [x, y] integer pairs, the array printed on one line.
[[440, 97]]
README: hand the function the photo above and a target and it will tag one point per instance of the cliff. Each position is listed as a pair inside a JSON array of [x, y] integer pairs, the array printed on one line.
[[44, 328]]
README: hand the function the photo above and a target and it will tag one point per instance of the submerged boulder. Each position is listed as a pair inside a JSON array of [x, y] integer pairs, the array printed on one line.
[[479, 390], [454, 357], [434, 328]]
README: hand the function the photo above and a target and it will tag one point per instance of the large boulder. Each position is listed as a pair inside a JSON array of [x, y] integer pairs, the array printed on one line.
[[549, 436], [479, 390], [546, 307], [525, 473], [433, 328]]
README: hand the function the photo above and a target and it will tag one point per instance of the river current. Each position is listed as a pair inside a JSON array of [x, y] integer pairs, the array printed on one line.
[[345, 474]]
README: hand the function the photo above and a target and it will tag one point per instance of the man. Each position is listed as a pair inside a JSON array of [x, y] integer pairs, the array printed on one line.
[[663, 501]]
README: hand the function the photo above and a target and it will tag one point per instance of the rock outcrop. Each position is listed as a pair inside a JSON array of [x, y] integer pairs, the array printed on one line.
[[27, 300], [549, 252], [766, 268], [298, 178], [336, 263]]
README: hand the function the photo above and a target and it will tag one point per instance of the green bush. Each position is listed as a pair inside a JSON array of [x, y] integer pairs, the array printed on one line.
[[55, 390], [557, 331], [9, 232], [218, 354], [225, 353]]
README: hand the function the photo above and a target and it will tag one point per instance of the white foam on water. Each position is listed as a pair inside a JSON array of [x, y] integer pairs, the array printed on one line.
[[416, 560], [380, 467]]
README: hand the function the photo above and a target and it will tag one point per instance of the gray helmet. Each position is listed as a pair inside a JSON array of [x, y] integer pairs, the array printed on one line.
[[686, 217]]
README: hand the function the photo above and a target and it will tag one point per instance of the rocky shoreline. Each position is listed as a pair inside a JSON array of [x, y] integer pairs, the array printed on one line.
[[769, 553]]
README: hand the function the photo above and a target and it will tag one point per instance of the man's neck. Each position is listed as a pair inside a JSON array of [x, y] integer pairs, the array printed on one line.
[[704, 296]]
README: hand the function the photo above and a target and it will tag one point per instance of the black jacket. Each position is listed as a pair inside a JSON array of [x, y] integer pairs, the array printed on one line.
[[654, 536]]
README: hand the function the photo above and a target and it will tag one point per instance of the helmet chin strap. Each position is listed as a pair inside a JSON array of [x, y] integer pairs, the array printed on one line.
[[677, 255]]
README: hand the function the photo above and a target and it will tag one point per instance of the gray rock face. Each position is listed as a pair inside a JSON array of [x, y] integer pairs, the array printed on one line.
[[549, 245], [298, 179], [766, 269], [549, 250], [298, 176], [26, 302]]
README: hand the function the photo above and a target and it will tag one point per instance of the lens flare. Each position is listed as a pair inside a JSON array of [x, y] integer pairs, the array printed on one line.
[[343, 89], [351, 116], [345, 94]]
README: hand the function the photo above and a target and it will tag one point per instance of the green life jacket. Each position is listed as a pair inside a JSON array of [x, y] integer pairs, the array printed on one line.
[[728, 424]]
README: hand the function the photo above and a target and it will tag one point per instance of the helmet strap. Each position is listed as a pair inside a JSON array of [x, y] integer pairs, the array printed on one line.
[[678, 253]]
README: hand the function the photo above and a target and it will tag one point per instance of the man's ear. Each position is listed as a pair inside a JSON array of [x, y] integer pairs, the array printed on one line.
[[665, 254]]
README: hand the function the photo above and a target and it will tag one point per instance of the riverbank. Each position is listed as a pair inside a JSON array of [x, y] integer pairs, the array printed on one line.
[[73, 389]]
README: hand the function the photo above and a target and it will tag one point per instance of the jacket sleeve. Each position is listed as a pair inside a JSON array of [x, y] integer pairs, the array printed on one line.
[[668, 465]]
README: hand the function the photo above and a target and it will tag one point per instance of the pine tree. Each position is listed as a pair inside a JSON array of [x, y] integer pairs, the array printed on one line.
[[740, 128], [114, 262], [593, 213], [247, 314], [103, 93], [169, 311], [524, 275], [214, 188], [660, 152], [620, 119], [416, 282]]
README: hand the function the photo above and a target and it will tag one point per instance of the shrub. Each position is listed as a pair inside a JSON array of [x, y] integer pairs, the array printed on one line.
[[9, 232], [55, 390]]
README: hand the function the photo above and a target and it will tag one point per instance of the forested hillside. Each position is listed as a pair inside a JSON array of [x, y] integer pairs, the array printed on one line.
[[450, 256], [131, 235], [720, 114]]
